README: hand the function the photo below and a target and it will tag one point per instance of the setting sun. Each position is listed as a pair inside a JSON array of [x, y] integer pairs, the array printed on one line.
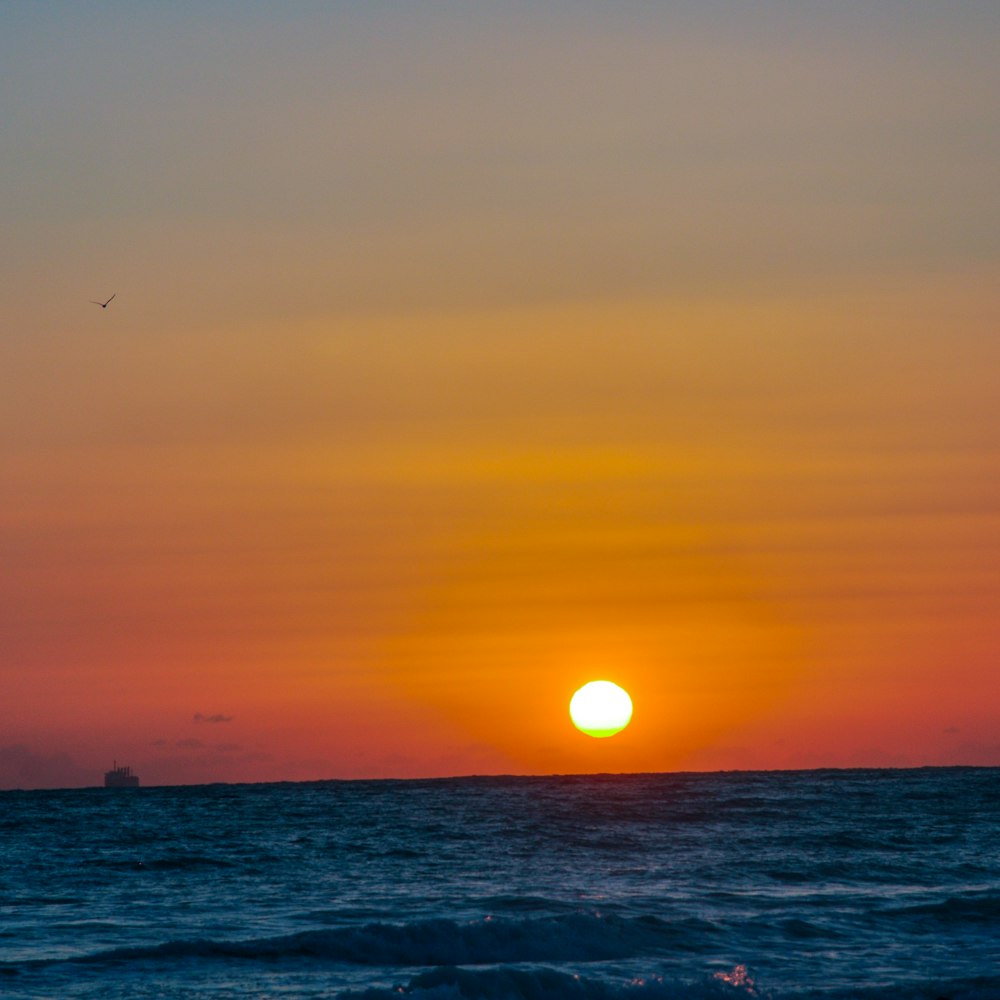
[[600, 709]]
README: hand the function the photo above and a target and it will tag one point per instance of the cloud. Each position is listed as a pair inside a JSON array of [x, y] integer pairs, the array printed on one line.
[[198, 717], [189, 744], [977, 753], [23, 768]]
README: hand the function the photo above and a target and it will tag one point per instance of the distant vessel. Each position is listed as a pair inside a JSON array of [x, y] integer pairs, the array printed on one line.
[[120, 777]]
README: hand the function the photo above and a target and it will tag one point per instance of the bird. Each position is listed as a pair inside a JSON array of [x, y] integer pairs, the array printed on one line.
[[103, 305]]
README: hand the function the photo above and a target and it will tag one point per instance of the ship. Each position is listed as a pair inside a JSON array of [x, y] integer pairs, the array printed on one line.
[[120, 777]]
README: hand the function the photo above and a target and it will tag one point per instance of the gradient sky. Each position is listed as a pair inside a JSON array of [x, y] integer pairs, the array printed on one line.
[[463, 353]]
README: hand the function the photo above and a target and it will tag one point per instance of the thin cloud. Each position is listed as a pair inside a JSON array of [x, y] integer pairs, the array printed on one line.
[[21, 767], [219, 717]]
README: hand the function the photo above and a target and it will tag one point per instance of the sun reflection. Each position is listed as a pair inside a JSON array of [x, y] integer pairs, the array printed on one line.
[[738, 977]]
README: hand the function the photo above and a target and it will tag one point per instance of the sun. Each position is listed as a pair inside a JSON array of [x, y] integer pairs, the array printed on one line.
[[600, 709]]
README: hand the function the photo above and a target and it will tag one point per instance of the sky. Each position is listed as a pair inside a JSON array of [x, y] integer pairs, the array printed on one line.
[[462, 353]]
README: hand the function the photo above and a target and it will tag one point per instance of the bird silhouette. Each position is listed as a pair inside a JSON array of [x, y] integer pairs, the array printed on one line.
[[103, 305]]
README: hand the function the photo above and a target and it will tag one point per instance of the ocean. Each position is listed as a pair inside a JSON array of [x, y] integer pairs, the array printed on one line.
[[810, 884]]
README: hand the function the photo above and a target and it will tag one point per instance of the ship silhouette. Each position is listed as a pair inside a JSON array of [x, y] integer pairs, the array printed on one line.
[[120, 777]]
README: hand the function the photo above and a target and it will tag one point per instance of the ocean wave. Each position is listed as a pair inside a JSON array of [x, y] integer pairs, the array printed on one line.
[[180, 862], [736, 983], [449, 983], [516, 903], [985, 907], [578, 937], [40, 900]]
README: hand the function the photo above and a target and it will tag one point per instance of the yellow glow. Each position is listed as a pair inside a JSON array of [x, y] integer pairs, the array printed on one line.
[[600, 709]]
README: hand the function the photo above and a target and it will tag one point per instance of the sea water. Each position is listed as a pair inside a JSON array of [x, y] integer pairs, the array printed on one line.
[[832, 884]]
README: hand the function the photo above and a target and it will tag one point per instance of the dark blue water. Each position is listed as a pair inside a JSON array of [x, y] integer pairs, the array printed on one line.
[[837, 884]]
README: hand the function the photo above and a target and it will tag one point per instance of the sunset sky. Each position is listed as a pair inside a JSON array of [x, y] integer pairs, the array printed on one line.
[[464, 353]]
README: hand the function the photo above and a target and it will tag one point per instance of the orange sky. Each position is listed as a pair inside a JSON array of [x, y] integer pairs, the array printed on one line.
[[461, 357]]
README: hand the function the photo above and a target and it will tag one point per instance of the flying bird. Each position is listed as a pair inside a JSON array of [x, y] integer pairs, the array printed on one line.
[[103, 305]]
